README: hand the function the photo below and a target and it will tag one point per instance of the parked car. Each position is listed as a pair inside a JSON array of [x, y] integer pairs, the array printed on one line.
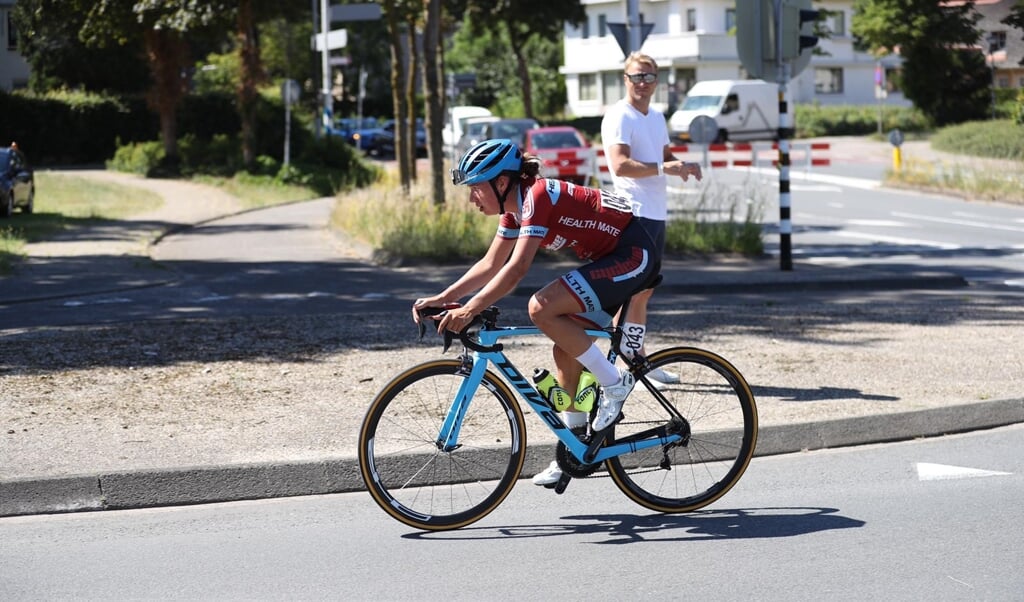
[[384, 140], [564, 152], [365, 137], [17, 181], [347, 126], [473, 129], [513, 129]]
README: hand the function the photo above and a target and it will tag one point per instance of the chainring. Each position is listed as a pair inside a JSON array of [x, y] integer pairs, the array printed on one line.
[[570, 465]]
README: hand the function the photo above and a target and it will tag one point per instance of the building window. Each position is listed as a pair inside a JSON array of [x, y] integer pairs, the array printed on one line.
[[691, 19], [1003, 81], [12, 33], [585, 28], [612, 86], [838, 23], [685, 78], [996, 41], [892, 79], [661, 92], [730, 19], [588, 86], [828, 81], [602, 25]]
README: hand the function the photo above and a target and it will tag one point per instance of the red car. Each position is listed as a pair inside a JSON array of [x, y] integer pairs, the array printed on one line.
[[564, 152]]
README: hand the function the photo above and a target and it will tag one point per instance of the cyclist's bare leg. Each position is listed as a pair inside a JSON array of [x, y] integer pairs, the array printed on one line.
[[636, 313]]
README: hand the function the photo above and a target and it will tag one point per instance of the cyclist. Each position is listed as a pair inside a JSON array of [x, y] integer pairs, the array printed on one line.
[[539, 212]]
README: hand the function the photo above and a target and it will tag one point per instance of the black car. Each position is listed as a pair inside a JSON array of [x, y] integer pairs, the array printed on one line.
[[384, 141], [17, 182]]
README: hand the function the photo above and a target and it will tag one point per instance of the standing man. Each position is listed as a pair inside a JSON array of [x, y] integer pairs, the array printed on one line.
[[636, 147], [635, 140]]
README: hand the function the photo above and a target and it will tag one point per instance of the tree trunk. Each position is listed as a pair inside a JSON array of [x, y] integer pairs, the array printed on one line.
[[433, 95], [409, 146], [522, 67], [251, 75], [397, 89], [165, 51]]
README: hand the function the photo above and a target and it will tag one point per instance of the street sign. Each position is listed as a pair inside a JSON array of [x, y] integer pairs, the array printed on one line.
[[290, 91], [896, 137], [621, 33], [703, 130], [336, 38], [367, 11]]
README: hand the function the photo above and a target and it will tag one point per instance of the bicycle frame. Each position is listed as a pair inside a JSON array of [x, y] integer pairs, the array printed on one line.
[[448, 436]]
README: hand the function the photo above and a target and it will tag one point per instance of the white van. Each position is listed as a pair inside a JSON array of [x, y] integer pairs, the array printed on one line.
[[455, 126], [743, 109]]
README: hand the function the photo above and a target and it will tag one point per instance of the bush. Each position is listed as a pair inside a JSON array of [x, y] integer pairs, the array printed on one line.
[[814, 120], [999, 139], [143, 158]]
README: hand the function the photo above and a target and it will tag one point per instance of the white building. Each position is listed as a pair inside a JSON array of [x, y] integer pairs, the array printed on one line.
[[691, 41], [14, 69]]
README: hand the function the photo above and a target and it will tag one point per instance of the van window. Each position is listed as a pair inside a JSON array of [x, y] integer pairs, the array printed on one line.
[[732, 103], [701, 103]]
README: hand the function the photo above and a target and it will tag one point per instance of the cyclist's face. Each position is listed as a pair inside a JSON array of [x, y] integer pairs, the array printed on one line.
[[482, 195]]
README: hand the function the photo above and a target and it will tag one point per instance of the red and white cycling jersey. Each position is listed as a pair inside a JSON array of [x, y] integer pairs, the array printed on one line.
[[566, 216]]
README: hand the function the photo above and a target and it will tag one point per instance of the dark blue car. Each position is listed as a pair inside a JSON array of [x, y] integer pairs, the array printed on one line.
[[384, 142], [17, 182]]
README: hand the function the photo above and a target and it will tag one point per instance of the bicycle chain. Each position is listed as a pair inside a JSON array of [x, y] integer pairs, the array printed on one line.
[[578, 470]]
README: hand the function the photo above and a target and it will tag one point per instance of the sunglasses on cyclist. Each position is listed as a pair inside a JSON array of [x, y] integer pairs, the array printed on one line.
[[458, 176], [647, 78]]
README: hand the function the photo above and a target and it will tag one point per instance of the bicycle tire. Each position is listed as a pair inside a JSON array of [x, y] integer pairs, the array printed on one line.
[[721, 414], [417, 483]]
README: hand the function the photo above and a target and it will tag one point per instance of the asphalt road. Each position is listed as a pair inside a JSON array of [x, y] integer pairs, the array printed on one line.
[[926, 519]]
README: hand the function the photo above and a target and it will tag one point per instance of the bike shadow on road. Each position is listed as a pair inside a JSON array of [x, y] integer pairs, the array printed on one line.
[[739, 523]]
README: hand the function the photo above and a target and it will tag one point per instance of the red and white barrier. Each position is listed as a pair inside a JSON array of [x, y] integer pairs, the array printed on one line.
[[737, 154], [568, 164]]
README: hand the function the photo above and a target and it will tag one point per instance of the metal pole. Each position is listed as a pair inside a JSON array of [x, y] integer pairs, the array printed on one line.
[[633, 24], [325, 22], [785, 125], [317, 126]]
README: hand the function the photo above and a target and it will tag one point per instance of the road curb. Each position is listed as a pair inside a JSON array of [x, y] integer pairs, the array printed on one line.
[[199, 485]]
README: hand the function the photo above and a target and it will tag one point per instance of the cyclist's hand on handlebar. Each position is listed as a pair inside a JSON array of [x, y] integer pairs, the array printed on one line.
[[455, 319], [421, 304]]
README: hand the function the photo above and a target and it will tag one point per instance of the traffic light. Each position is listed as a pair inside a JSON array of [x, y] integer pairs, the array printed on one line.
[[798, 19], [755, 36]]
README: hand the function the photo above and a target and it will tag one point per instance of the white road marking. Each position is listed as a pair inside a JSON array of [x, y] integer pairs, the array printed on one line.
[[878, 223], [897, 240], [942, 472], [957, 222], [105, 301]]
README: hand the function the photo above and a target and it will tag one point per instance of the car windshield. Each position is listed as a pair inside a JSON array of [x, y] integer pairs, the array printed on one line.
[[701, 103], [555, 140], [510, 130]]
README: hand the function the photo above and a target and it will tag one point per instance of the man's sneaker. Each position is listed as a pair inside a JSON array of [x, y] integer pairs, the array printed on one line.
[[612, 398], [548, 476], [659, 378]]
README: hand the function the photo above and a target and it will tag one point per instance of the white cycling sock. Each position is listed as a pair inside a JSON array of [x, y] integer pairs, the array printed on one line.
[[632, 338], [574, 419], [593, 359]]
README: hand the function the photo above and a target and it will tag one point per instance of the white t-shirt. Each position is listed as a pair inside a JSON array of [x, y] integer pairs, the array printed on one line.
[[646, 136]]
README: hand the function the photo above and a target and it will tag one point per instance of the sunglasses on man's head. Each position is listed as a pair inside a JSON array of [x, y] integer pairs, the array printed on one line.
[[647, 78]]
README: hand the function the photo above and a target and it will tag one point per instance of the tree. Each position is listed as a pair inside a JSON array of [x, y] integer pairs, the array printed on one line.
[[1016, 19], [944, 73], [433, 97], [521, 21], [49, 40], [162, 25]]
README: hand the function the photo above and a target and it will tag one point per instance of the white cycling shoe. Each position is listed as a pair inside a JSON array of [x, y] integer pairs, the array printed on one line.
[[548, 476], [660, 378], [612, 398]]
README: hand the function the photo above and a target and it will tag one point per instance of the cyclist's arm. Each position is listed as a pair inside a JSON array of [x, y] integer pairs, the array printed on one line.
[[508, 276], [474, 278]]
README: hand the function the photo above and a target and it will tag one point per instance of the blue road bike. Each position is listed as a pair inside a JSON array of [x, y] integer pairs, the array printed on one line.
[[444, 442]]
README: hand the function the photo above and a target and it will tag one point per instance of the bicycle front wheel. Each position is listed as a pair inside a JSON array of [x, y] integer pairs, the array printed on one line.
[[719, 428], [403, 464]]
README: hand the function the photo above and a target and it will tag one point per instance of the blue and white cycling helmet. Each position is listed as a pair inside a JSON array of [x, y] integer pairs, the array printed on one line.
[[486, 161]]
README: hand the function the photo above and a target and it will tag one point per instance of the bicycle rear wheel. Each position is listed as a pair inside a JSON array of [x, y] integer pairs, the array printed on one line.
[[719, 426], [415, 481]]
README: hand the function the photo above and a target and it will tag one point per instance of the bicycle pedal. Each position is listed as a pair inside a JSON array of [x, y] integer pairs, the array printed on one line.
[[562, 484]]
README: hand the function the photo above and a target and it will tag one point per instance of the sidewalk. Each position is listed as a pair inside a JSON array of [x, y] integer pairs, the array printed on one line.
[[229, 462]]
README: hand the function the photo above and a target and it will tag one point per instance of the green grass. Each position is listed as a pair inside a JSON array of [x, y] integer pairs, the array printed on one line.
[[259, 191], [63, 202], [410, 229], [999, 139]]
